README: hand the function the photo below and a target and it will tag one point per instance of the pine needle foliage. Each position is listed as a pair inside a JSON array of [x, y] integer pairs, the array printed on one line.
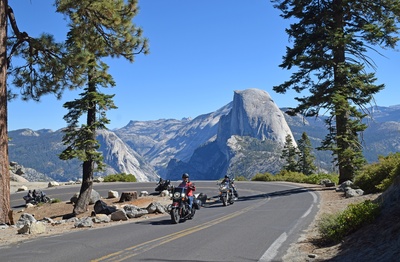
[[98, 29], [330, 44], [306, 158]]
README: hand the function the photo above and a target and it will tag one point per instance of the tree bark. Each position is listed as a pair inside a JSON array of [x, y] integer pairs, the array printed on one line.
[[88, 165], [4, 163], [341, 113]]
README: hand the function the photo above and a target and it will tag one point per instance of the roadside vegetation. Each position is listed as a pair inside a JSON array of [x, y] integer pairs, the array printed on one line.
[[122, 177], [334, 227], [295, 177], [372, 178]]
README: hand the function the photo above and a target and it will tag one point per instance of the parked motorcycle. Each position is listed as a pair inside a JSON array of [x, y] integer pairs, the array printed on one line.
[[226, 194], [179, 209], [40, 198], [163, 185]]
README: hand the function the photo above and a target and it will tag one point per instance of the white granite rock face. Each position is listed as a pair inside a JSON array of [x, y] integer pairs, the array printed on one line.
[[254, 114]]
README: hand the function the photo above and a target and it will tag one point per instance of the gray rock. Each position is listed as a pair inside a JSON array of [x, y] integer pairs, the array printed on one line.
[[94, 196], [101, 218], [53, 184], [155, 207], [119, 215], [25, 219], [143, 193], [113, 194], [134, 211], [84, 222], [32, 228]]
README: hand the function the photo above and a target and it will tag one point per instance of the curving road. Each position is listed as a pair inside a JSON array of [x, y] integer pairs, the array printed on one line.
[[260, 226]]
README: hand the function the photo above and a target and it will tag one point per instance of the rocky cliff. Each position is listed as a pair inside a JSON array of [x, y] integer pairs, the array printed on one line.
[[248, 141]]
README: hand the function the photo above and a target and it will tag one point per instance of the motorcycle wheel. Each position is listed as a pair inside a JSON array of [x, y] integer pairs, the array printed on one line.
[[46, 199], [230, 198], [224, 200], [175, 216], [193, 211]]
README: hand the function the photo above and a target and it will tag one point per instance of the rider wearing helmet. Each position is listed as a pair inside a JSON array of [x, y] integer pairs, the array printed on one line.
[[231, 184], [190, 188]]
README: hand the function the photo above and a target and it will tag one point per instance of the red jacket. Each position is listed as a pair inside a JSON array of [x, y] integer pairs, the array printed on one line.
[[190, 187]]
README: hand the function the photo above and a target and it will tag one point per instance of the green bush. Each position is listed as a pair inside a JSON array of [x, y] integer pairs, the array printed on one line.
[[334, 227], [377, 177], [295, 177], [290, 176], [120, 178], [263, 177], [316, 178], [241, 178]]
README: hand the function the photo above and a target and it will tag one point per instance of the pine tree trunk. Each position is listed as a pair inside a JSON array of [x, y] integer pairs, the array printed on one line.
[[88, 165], [82, 203], [4, 163], [341, 106]]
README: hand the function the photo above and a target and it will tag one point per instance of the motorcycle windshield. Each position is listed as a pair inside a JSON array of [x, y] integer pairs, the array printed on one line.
[[180, 190]]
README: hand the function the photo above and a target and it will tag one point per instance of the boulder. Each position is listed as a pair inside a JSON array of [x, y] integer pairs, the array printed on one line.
[[84, 222], [22, 188], [32, 228], [100, 207], [119, 215], [128, 196], [25, 219], [94, 196], [155, 207], [53, 184]]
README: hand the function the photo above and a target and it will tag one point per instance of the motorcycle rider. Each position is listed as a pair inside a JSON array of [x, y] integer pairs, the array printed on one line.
[[34, 194], [28, 197], [190, 188], [231, 184]]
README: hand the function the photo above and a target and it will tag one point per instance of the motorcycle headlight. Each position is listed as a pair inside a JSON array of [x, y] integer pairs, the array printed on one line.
[[177, 195], [183, 195]]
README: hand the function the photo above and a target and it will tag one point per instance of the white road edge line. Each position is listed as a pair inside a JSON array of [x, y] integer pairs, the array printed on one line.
[[272, 251]]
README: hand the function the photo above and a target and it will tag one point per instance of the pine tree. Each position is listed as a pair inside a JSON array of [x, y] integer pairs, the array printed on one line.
[[306, 159], [290, 155], [38, 71], [331, 39], [98, 29]]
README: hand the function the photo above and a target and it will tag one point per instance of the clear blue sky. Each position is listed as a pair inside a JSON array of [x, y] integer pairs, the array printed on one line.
[[200, 52]]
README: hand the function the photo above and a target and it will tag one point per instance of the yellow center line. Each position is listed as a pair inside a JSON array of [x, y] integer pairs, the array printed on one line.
[[148, 245]]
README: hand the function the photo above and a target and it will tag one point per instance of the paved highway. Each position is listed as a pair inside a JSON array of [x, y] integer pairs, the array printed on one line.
[[260, 226]]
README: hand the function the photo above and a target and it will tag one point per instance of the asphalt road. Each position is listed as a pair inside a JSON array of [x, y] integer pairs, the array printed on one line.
[[260, 226]]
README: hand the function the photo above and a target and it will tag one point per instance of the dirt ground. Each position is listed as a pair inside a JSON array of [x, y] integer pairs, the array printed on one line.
[[305, 249], [56, 211]]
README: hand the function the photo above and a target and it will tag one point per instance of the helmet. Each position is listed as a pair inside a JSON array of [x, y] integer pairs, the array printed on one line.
[[185, 175], [226, 176]]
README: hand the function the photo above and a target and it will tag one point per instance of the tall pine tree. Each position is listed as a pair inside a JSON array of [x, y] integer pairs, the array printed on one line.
[[98, 29], [331, 39], [306, 159], [290, 154]]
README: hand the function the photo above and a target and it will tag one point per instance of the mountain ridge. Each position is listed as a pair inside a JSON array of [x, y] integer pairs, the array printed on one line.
[[236, 139]]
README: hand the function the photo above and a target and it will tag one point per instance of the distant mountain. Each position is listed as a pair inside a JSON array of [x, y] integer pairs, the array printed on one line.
[[39, 150], [244, 137], [249, 140]]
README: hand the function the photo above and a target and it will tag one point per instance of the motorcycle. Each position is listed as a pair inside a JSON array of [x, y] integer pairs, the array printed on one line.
[[163, 185], [179, 209], [226, 194], [40, 198]]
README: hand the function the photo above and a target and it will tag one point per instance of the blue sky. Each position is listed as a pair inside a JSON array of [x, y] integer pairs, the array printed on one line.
[[200, 52]]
